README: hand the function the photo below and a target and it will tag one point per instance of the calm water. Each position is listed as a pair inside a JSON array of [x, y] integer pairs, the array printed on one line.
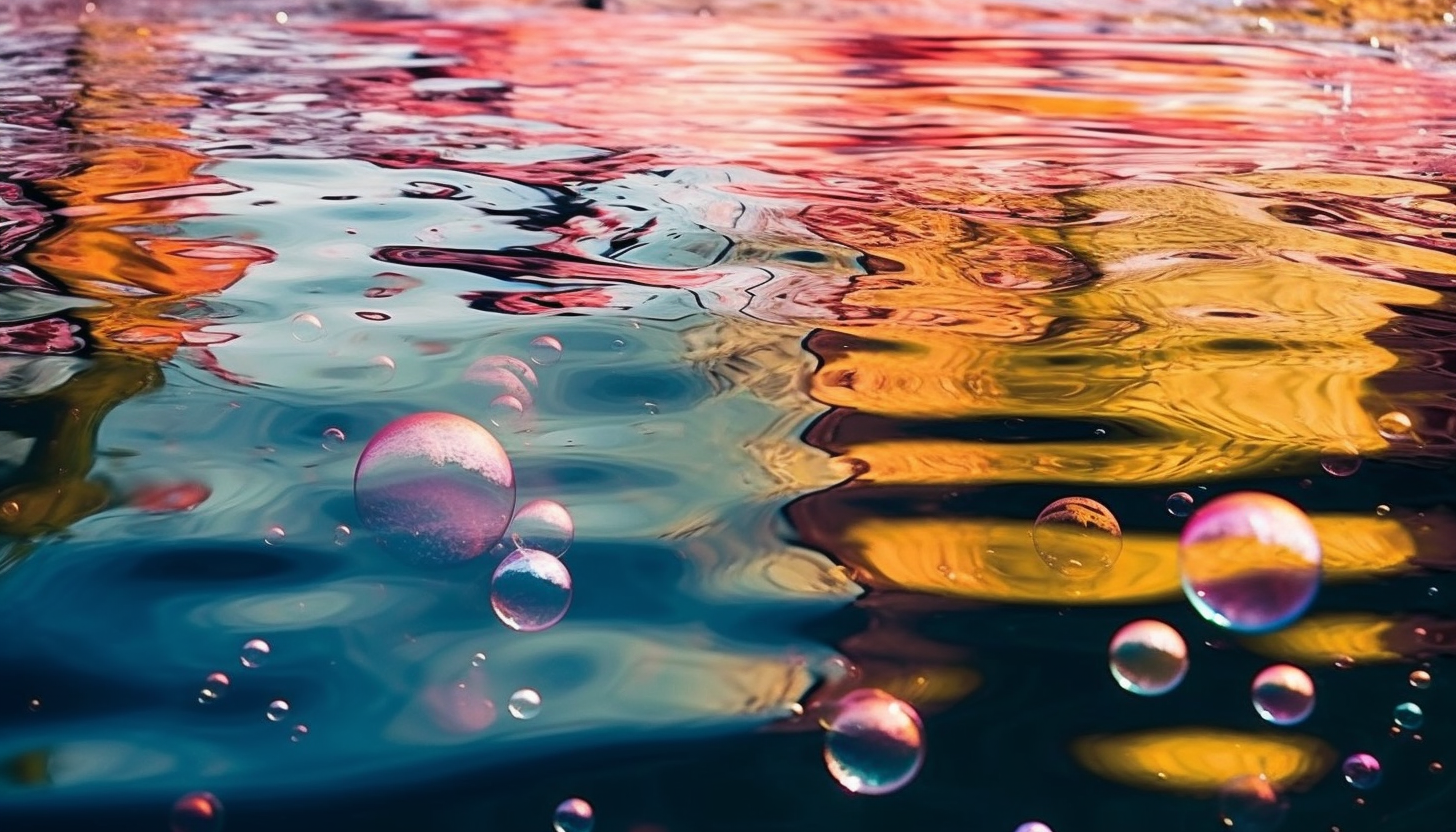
[[843, 303]]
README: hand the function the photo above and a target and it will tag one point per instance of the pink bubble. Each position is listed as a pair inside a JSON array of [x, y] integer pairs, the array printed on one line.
[[875, 744], [530, 590], [1283, 694], [197, 812]]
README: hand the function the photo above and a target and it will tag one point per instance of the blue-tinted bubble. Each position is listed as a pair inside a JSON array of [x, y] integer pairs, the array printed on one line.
[[1409, 716], [524, 704], [573, 815], [1361, 771], [1283, 694], [541, 524], [874, 743], [1148, 658], [530, 590]]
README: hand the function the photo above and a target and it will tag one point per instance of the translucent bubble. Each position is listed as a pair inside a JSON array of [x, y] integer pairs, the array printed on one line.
[[298, 733], [544, 350], [307, 327], [274, 535], [1420, 679], [504, 375], [505, 411], [1361, 770], [874, 743], [1033, 826], [437, 488], [1382, 510], [197, 812], [1077, 537], [1180, 503], [1251, 802], [213, 687], [524, 704], [1283, 694], [477, 660], [618, 345], [333, 438], [542, 524], [1148, 658], [573, 815], [1249, 562], [277, 710], [379, 371], [1395, 426], [1340, 462], [530, 590], [255, 652], [342, 533], [1409, 716]]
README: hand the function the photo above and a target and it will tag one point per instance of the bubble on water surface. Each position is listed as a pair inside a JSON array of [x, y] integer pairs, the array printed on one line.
[[1420, 679], [1077, 537], [214, 687], [1249, 562], [1340, 462], [1252, 803], [1283, 694], [1361, 770], [1409, 716], [874, 744], [1180, 503], [274, 536], [277, 710], [197, 812], [544, 350], [333, 438], [1394, 426], [505, 411], [545, 525], [1148, 658], [504, 375], [477, 660], [306, 327], [255, 652], [524, 704], [530, 590], [573, 815], [437, 488], [342, 533]]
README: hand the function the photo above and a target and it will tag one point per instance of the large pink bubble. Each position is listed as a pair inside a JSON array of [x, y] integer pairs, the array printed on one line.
[[436, 488], [875, 743]]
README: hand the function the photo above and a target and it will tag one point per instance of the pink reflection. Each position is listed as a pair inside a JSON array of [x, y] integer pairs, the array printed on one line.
[[462, 706]]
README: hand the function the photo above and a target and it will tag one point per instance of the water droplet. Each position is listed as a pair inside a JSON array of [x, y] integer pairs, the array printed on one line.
[[1252, 803], [1395, 426], [333, 438], [545, 350], [299, 732], [573, 815], [1180, 503], [277, 710], [1340, 462], [530, 590], [274, 536], [437, 488], [1283, 694], [1361, 770], [618, 345], [544, 525], [1409, 716], [1420, 679], [874, 744], [342, 533], [307, 327], [1249, 562], [1148, 658], [1077, 537], [213, 688], [197, 812], [255, 652], [524, 704], [477, 660], [505, 411]]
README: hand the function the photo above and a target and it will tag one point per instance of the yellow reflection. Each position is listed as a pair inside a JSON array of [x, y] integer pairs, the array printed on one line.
[[1203, 759], [1330, 638]]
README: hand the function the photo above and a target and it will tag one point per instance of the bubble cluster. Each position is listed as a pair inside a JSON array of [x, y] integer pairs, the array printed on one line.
[[1077, 537], [1148, 658], [1361, 770], [530, 590], [197, 812], [874, 744], [1283, 694], [544, 525], [573, 815], [524, 704], [1251, 803], [255, 652]]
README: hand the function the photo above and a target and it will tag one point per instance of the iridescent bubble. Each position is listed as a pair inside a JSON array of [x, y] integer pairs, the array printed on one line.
[[875, 743], [1180, 503], [197, 812], [1251, 802], [1395, 426], [1409, 716], [530, 590], [333, 438], [437, 488], [542, 524], [274, 535], [544, 351], [1077, 537], [1283, 694], [524, 704], [1033, 826], [255, 652], [1420, 679], [505, 411], [214, 687], [307, 327], [1361, 770], [573, 815], [277, 710], [1249, 562], [1148, 658]]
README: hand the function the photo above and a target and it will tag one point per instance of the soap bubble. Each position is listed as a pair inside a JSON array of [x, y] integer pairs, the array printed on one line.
[[298, 733], [333, 439], [197, 812], [542, 524], [1077, 537], [874, 743], [1361, 770], [1180, 503], [1420, 679], [307, 327], [545, 350], [1395, 426], [213, 687], [255, 652], [524, 704], [573, 815], [1251, 802], [1033, 826], [1409, 716], [530, 590], [1340, 462], [1148, 658], [503, 375], [277, 710], [436, 487], [1283, 694], [1250, 562], [505, 411]]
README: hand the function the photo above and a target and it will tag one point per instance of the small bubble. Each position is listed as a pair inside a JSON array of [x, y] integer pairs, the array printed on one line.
[[197, 812], [1033, 826], [573, 815], [34, 705], [618, 345], [477, 660], [1408, 715], [1382, 510], [213, 687], [1099, 432], [10, 509], [1420, 679], [1148, 658], [281, 18], [524, 704], [1180, 503], [342, 533], [307, 327], [874, 744], [1395, 426], [530, 590], [651, 408], [1077, 537], [505, 411], [1251, 802], [277, 710], [544, 350], [380, 370], [333, 439], [274, 535], [1283, 694], [1436, 767], [542, 524], [1343, 461], [298, 733], [1361, 771], [255, 652]]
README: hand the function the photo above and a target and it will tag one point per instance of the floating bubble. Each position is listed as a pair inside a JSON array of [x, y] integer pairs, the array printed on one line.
[[1249, 562], [1077, 537], [197, 812], [524, 704], [255, 652], [545, 350], [573, 815], [214, 687], [1148, 658], [307, 327], [1420, 679], [1283, 694], [379, 371], [477, 660], [1409, 716], [333, 438], [530, 590], [274, 536], [1361, 770], [874, 743], [1251, 803], [437, 488], [1033, 826], [1382, 510], [505, 411], [544, 525], [1395, 426], [503, 375], [1180, 503], [618, 345], [1340, 462], [277, 710], [298, 733], [342, 533]]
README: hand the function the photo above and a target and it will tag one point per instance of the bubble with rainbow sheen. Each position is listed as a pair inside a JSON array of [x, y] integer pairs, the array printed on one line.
[[874, 743], [1147, 657], [197, 812], [1283, 694], [1361, 770], [530, 590], [545, 525], [436, 488], [573, 815], [1252, 803], [1250, 562]]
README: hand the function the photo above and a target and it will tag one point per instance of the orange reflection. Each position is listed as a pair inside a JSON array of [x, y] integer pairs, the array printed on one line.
[[1201, 760]]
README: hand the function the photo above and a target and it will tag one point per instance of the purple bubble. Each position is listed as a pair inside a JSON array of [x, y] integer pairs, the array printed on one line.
[[1361, 770], [1283, 694]]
